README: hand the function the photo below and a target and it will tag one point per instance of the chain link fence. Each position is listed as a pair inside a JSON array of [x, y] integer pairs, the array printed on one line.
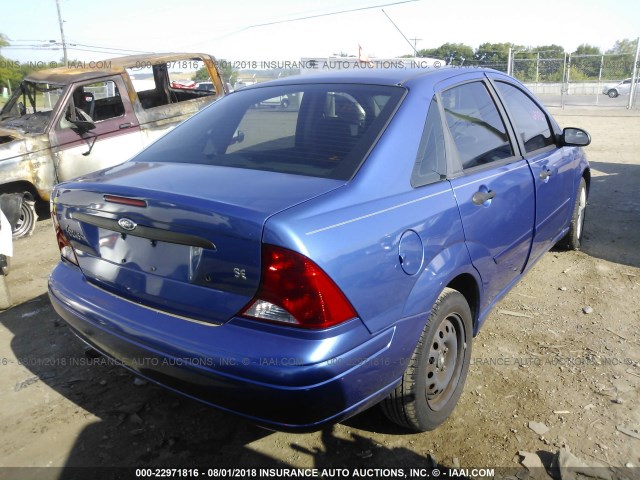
[[581, 80]]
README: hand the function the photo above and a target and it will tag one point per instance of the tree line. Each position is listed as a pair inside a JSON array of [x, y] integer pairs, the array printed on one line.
[[544, 62]]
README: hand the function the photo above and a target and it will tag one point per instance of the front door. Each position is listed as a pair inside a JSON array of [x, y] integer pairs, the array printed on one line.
[[552, 167], [494, 190]]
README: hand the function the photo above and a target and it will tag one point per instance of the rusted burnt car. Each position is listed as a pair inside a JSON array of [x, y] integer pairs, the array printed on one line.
[[65, 122]]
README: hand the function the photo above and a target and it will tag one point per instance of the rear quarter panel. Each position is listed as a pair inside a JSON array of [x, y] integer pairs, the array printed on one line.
[[354, 232]]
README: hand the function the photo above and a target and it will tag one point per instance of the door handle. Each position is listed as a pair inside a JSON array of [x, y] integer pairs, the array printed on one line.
[[481, 197], [124, 125], [545, 174]]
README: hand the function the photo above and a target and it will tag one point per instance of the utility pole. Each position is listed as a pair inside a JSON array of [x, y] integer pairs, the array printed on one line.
[[634, 77], [64, 43], [415, 43]]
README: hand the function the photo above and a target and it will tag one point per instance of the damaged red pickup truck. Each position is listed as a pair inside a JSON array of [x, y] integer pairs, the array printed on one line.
[[65, 122]]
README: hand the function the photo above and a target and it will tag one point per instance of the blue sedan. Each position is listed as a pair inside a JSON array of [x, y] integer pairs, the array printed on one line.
[[297, 266]]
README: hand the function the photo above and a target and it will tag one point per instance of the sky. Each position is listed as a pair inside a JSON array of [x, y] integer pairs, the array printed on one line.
[[236, 31]]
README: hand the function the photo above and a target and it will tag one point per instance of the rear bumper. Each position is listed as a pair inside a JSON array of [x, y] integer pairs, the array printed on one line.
[[279, 377]]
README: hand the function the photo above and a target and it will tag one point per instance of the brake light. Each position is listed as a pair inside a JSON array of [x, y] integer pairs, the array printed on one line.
[[66, 250], [295, 291], [131, 202]]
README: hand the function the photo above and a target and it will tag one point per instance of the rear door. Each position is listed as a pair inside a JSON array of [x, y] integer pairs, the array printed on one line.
[[551, 166], [115, 138], [494, 186]]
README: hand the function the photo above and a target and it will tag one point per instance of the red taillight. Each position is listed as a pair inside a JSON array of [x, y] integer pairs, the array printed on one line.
[[295, 291], [66, 250]]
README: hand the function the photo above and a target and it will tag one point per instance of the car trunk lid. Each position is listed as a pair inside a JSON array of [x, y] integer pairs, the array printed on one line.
[[181, 238]]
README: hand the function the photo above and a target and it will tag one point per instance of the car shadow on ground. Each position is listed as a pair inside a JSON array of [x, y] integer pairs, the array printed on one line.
[[146, 426], [612, 222]]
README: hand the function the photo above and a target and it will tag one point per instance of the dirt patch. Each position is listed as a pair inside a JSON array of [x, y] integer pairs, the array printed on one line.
[[540, 359]]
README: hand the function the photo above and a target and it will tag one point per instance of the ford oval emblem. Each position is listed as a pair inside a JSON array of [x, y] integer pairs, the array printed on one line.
[[127, 224]]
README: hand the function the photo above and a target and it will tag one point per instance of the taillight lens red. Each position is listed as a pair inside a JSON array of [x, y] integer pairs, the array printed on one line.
[[66, 250], [295, 291]]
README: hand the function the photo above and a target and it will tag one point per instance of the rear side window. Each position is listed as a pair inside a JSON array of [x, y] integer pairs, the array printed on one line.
[[316, 130], [430, 163], [175, 81], [530, 121], [475, 125]]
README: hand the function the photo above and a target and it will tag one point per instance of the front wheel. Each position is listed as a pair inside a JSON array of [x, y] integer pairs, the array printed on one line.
[[26, 223], [612, 93], [573, 239], [434, 379]]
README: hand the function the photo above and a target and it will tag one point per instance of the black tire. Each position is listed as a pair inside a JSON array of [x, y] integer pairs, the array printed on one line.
[[612, 93], [285, 103], [27, 222], [573, 238], [434, 379]]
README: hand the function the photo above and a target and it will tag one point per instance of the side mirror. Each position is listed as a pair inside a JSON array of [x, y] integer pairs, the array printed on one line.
[[574, 137], [83, 122]]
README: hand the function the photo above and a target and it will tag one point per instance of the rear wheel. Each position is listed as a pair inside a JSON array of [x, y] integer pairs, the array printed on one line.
[[435, 376]]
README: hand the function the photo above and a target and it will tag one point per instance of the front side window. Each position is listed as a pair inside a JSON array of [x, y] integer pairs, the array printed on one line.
[[475, 124], [98, 101], [530, 122], [316, 130]]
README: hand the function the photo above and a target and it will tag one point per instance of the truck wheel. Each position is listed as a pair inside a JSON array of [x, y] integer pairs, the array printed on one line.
[[433, 381], [27, 222]]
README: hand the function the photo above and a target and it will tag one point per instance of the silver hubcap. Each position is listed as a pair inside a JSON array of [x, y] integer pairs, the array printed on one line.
[[582, 204], [446, 355]]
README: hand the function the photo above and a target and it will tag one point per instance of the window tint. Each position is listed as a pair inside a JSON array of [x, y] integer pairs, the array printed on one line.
[[316, 130], [475, 125], [280, 131], [530, 122], [430, 163]]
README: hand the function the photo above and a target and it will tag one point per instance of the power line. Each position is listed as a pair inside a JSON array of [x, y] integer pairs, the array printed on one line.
[[108, 48], [75, 46], [31, 40], [110, 52], [326, 14], [414, 48]]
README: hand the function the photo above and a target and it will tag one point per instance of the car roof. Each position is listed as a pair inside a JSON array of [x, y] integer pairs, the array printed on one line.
[[373, 76], [79, 71]]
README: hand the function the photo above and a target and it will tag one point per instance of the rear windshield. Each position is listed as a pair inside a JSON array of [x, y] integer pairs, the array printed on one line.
[[317, 130]]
